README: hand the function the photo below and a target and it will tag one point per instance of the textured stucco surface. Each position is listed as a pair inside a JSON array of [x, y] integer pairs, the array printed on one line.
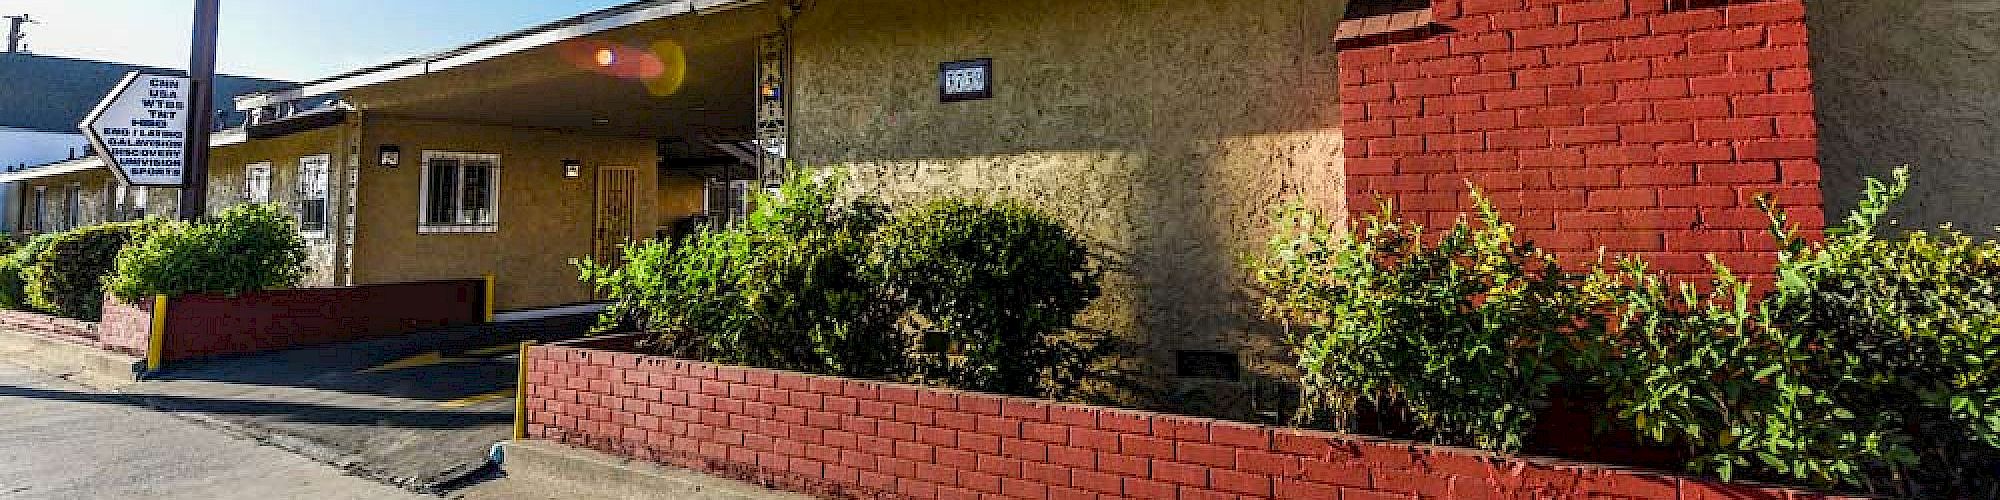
[[544, 219], [1162, 131], [226, 185], [1910, 82], [680, 197]]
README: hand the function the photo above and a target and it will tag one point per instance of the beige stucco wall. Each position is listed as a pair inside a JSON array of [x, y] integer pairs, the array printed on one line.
[[1162, 130], [1910, 82], [226, 186], [680, 197], [544, 219]]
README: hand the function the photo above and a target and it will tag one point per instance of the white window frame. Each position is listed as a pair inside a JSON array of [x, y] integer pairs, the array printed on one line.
[[424, 226], [311, 186], [114, 202], [41, 209], [257, 182], [73, 206], [743, 191]]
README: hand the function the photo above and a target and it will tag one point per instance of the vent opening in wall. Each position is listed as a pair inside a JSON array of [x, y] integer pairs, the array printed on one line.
[[1681, 5], [1207, 364], [1371, 23]]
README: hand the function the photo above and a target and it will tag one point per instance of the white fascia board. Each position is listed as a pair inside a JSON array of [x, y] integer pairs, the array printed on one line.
[[249, 102], [362, 80], [54, 169]]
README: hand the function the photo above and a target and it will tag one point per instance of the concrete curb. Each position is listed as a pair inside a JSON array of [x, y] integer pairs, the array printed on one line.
[[85, 364], [585, 473]]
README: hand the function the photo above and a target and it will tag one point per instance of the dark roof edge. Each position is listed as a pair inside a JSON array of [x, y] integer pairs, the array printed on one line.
[[163, 71]]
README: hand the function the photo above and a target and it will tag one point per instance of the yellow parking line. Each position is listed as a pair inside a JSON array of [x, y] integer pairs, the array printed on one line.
[[498, 349], [477, 398]]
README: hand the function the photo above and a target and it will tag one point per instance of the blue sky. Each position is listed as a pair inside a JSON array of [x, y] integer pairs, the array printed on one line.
[[284, 39]]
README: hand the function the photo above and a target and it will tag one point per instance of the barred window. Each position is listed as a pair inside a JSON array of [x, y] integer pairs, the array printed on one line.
[[312, 193], [460, 193]]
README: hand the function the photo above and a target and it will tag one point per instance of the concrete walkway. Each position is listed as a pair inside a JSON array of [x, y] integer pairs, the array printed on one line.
[[418, 411]]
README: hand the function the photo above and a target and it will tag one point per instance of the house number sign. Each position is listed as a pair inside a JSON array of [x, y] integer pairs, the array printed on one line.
[[965, 80]]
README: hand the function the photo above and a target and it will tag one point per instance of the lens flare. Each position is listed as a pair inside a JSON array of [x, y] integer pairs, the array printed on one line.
[[673, 69], [612, 59], [661, 66]]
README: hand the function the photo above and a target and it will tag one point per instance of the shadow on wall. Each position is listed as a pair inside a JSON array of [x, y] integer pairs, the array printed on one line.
[[1910, 82], [1161, 130]]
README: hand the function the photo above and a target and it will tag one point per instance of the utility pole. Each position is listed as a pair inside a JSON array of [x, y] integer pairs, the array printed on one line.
[[14, 35], [201, 114]]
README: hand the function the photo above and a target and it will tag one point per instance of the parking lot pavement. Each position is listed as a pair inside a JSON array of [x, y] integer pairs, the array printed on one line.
[[65, 441], [418, 411]]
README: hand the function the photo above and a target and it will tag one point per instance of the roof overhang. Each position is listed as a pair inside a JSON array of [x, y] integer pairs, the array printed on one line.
[[88, 163], [592, 23]]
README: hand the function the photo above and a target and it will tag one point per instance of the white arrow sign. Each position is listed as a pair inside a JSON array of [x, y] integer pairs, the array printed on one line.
[[140, 129]]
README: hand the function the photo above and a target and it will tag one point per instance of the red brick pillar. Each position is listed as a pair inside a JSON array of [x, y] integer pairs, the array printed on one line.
[[1643, 127]]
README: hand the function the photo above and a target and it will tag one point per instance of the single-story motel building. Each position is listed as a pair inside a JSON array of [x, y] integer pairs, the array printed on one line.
[[1163, 131]]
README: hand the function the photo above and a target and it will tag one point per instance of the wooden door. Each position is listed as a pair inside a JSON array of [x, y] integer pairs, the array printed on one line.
[[615, 207]]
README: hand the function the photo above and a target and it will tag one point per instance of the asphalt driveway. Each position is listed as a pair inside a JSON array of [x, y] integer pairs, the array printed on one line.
[[419, 411]]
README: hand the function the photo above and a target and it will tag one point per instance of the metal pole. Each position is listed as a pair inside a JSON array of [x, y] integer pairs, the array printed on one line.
[[201, 114]]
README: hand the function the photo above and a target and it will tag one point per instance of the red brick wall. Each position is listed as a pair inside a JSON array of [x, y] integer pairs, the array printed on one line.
[[1619, 124], [844, 438], [126, 328], [74, 330], [213, 325]]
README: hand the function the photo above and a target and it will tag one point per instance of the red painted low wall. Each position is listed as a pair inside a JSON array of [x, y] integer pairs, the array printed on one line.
[[845, 438], [200, 326]]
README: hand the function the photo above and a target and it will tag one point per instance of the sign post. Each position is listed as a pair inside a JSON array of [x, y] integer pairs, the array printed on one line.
[[201, 69]]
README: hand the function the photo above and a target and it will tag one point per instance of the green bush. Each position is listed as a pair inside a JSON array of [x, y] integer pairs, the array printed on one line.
[[1002, 282], [1464, 337], [13, 283], [66, 277], [1870, 363], [244, 248], [783, 288]]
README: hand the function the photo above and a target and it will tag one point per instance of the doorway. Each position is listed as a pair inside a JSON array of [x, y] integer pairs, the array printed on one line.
[[614, 225]]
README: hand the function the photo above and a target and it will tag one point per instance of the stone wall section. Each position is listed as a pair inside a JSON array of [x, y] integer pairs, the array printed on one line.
[[1642, 127]]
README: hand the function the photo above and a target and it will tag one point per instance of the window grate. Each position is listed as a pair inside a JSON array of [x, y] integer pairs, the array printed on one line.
[[460, 193]]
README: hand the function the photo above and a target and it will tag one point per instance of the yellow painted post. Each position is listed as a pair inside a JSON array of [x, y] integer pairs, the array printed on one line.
[[521, 394], [488, 296], [156, 341]]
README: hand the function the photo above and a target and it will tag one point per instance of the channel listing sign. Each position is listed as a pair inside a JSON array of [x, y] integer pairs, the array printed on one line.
[[140, 129]]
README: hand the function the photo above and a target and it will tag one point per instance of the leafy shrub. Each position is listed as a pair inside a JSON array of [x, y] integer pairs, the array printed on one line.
[[1465, 336], [244, 248], [1000, 281], [13, 283], [1870, 363], [66, 277], [783, 288]]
